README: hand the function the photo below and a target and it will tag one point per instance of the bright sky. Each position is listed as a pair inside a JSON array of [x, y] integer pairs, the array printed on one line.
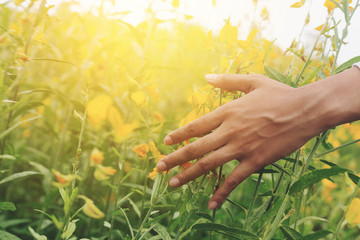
[[284, 23]]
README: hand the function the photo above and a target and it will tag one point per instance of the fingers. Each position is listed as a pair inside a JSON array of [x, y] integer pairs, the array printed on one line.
[[204, 165], [239, 174], [195, 128], [192, 151], [236, 82]]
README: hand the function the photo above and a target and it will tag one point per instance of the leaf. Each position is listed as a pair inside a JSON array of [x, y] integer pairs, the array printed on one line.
[[204, 215], [308, 79], [7, 206], [267, 170], [290, 233], [7, 236], [17, 176], [78, 106], [348, 64], [353, 178], [9, 157], [70, 229], [26, 107], [36, 235], [225, 229], [12, 222], [157, 219], [274, 74], [6, 132], [161, 230], [316, 235], [313, 177]]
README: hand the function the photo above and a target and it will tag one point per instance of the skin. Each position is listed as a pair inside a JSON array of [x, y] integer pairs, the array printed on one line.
[[271, 121]]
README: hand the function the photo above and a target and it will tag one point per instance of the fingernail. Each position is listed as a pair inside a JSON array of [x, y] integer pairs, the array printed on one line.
[[161, 166], [168, 140], [174, 182], [211, 77], [213, 205]]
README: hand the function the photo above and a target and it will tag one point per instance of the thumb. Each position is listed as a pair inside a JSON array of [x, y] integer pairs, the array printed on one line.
[[235, 82]]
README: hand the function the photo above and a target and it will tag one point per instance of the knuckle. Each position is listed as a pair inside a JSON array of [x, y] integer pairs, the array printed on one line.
[[232, 184], [191, 128], [203, 166], [191, 151]]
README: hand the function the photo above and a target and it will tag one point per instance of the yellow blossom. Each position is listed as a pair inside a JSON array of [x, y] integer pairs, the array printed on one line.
[[155, 152], [96, 157], [141, 150], [298, 4], [330, 5], [103, 173], [90, 209], [139, 98], [97, 110], [228, 34], [353, 214], [62, 179]]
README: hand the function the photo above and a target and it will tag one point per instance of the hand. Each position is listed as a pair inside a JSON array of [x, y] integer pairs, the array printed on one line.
[[271, 121]]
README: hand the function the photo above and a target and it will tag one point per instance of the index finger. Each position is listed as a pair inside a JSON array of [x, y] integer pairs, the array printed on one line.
[[196, 128]]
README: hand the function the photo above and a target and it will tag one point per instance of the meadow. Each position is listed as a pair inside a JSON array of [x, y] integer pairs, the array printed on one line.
[[86, 100]]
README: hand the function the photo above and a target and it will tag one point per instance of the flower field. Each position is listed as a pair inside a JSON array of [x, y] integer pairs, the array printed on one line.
[[87, 99]]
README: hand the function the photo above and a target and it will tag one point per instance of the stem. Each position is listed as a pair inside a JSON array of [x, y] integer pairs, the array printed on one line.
[[253, 201]]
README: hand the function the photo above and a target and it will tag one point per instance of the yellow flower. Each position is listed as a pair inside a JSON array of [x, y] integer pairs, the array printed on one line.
[[90, 209], [121, 130], [96, 157], [353, 214], [103, 173], [155, 152], [139, 98], [328, 186], [97, 110], [62, 179], [330, 5], [141, 149], [298, 4], [153, 174], [228, 34]]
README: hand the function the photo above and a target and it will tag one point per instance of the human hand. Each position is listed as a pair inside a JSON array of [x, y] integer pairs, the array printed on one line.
[[269, 122]]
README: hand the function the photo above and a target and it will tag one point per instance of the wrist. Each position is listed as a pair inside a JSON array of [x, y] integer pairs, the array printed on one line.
[[332, 101]]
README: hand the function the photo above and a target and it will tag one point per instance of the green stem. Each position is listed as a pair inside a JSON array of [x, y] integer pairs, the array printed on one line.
[[253, 201]]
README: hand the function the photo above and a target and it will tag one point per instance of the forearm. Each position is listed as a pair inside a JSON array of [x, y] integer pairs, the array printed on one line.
[[333, 101]]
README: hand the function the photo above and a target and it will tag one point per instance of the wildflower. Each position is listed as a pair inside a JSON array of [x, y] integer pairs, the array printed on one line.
[[298, 4], [63, 180], [185, 165], [153, 174], [96, 157], [121, 130], [328, 187], [330, 5], [141, 150], [155, 152], [228, 34], [139, 98], [97, 110], [103, 173], [90, 209], [353, 214]]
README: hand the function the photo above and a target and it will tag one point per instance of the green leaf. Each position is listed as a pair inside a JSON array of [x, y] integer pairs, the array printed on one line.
[[161, 230], [17, 176], [12, 222], [225, 229], [353, 178], [204, 215], [276, 75], [36, 235], [28, 106], [308, 79], [348, 64], [70, 229], [10, 129], [9, 157], [7, 236], [237, 205], [157, 219], [316, 235], [78, 106], [313, 177], [290, 233], [7, 206], [267, 170]]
